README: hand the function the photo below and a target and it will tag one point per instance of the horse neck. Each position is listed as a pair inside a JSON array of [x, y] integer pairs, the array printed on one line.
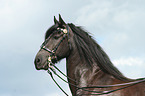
[[78, 70]]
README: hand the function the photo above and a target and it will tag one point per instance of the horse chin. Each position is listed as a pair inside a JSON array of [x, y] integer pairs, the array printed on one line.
[[43, 66]]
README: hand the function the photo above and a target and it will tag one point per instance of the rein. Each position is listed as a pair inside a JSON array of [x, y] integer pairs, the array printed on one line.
[[51, 69], [126, 85]]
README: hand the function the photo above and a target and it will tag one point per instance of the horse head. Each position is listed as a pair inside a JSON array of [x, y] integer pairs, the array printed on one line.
[[56, 45]]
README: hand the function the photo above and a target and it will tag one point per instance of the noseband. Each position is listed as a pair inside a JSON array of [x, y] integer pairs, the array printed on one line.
[[52, 57]]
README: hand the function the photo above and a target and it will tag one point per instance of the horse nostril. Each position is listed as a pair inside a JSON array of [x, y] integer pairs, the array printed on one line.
[[38, 60]]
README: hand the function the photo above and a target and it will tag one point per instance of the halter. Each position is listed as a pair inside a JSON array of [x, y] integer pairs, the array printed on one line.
[[51, 66]]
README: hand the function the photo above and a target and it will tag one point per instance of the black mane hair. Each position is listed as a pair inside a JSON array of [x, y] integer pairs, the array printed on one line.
[[91, 51]]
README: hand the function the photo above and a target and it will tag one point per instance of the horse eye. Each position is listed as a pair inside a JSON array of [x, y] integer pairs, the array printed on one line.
[[56, 37], [59, 32]]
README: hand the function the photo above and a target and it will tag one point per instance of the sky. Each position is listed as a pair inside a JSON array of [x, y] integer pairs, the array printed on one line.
[[117, 25]]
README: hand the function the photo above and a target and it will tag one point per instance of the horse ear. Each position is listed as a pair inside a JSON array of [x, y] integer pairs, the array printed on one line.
[[55, 20], [61, 20]]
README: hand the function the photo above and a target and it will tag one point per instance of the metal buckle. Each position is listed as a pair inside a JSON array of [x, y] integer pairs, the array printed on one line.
[[63, 30]]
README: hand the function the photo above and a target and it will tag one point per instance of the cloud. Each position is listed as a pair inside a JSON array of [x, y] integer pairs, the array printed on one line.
[[103, 17], [130, 61], [131, 66]]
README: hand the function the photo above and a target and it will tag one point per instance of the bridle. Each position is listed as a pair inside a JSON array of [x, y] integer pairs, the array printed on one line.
[[52, 67], [52, 57]]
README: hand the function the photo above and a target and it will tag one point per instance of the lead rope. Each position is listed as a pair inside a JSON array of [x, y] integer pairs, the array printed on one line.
[[71, 83], [63, 74], [49, 62], [99, 92], [50, 73], [107, 92]]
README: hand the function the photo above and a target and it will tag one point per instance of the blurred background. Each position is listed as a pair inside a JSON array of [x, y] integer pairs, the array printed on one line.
[[118, 26]]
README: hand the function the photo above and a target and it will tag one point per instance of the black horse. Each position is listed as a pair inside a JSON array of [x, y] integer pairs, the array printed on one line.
[[89, 69]]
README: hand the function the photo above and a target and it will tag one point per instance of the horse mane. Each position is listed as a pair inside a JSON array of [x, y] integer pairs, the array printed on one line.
[[50, 31], [91, 51]]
